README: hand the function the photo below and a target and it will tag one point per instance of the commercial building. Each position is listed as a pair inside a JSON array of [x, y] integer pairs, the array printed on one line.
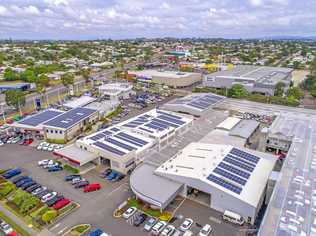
[[79, 102], [257, 79], [125, 145], [174, 79], [221, 176], [18, 86], [116, 91], [195, 104], [35, 123], [69, 124]]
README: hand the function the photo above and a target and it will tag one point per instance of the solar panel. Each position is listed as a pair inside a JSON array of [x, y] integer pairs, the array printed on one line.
[[238, 164], [170, 115], [128, 140], [109, 148], [154, 127], [70, 118], [166, 123], [192, 104], [106, 132], [224, 184], [132, 138], [230, 176], [40, 118], [245, 155], [120, 144], [241, 160], [234, 170], [175, 121], [130, 126], [147, 130], [115, 129], [156, 123]]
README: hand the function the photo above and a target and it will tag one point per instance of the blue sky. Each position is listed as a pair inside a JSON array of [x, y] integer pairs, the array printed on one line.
[[117, 19]]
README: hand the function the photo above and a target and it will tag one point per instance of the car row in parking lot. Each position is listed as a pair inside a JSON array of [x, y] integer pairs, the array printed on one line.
[[50, 147], [45, 195], [158, 227], [50, 165], [111, 175]]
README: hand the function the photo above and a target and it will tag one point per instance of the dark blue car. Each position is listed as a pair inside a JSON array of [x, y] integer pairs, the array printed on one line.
[[97, 232], [23, 181], [9, 174], [55, 168]]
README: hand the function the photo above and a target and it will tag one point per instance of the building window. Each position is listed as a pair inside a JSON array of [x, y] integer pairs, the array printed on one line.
[[52, 131], [56, 131], [60, 131]]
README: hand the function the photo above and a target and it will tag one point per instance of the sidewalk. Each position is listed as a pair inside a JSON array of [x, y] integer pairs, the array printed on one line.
[[18, 221]]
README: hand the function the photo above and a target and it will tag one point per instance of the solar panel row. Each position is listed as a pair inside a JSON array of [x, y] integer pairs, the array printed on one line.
[[238, 164], [242, 160], [170, 115], [224, 184], [230, 176], [40, 118], [140, 141], [234, 170], [175, 121], [120, 144], [109, 148], [245, 155]]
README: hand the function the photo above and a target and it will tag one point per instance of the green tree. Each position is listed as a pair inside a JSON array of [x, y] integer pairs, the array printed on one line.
[[48, 216], [15, 98], [313, 67], [67, 79], [237, 91], [28, 75], [10, 75], [296, 92], [279, 89], [86, 73]]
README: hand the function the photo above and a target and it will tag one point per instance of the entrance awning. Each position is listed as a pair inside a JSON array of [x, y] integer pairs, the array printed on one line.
[[153, 189], [76, 155]]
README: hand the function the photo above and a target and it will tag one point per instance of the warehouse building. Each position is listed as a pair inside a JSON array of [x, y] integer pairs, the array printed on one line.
[[195, 104], [174, 79], [221, 176], [69, 124], [34, 123], [78, 102], [117, 91], [257, 79]]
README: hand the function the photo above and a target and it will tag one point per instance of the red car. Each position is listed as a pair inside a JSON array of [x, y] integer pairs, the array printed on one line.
[[60, 204], [28, 141], [92, 187]]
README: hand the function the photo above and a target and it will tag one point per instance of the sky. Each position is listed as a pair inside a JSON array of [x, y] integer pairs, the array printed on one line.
[[125, 19]]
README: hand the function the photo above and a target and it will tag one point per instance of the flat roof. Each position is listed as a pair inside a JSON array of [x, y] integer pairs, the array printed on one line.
[[36, 121], [70, 118], [197, 101], [76, 154], [158, 73], [117, 141], [153, 188], [244, 128], [116, 87], [156, 122], [79, 102], [229, 123], [240, 172]]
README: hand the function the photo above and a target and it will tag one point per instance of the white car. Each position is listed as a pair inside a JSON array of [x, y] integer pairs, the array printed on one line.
[[7, 229], [158, 227], [45, 162], [50, 148], [129, 212], [77, 180], [39, 190], [50, 165], [168, 231], [187, 223], [48, 197], [206, 230], [1, 143]]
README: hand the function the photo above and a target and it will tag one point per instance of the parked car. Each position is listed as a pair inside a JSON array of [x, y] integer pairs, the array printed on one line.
[[149, 224], [45, 162], [129, 212], [112, 175], [92, 187], [77, 180], [28, 184], [98, 232], [82, 184], [55, 168], [71, 177], [105, 173], [168, 231], [158, 227], [206, 230], [39, 190], [55, 199], [60, 204], [11, 173], [6, 229], [177, 233], [53, 164], [186, 224], [21, 182], [42, 194], [19, 178], [48, 197], [32, 188], [139, 219]]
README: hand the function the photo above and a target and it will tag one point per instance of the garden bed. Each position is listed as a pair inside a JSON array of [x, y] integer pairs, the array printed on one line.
[[78, 230]]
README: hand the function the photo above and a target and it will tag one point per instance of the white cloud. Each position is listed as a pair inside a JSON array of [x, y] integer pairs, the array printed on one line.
[[165, 6], [3, 11], [32, 10]]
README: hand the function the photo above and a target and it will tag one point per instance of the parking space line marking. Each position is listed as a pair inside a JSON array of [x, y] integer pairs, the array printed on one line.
[[55, 226], [62, 230], [114, 190]]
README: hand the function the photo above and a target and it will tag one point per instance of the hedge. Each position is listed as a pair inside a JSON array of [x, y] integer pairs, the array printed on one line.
[[6, 188], [24, 201], [56, 141], [71, 169], [49, 215]]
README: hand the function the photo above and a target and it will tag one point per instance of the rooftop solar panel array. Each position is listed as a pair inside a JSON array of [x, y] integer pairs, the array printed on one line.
[[235, 169], [40, 118], [70, 118], [203, 102], [109, 148], [224, 184]]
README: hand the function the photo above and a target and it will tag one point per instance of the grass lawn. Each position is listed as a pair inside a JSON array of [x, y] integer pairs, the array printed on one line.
[[16, 227]]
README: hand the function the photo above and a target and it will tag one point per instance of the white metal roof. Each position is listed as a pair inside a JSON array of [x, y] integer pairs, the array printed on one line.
[[198, 160], [229, 123], [157, 73], [79, 102]]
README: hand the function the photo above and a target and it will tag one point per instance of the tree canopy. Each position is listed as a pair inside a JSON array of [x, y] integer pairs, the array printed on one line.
[[237, 91], [15, 98], [279, 89], [67, 79]]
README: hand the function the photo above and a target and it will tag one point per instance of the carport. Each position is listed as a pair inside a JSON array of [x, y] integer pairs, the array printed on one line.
[[79, 158], [155, 190]]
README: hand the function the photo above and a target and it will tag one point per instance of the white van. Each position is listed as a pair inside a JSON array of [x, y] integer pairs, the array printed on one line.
[[233, 217]]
